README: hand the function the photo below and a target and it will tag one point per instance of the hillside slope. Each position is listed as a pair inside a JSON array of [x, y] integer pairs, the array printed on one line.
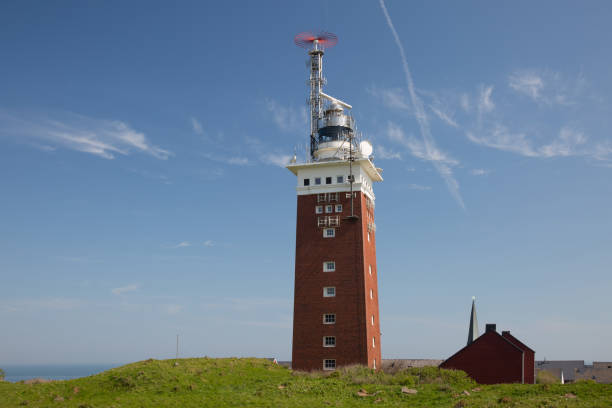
[[206, 382]]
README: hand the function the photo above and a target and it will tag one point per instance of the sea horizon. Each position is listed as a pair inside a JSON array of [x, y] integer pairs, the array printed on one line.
[[22, 372]]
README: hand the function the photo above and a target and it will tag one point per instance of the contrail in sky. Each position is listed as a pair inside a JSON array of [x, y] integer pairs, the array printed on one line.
[[430, 144]]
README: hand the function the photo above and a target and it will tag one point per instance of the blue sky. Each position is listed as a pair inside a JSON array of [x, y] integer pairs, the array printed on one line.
[[143, 194]]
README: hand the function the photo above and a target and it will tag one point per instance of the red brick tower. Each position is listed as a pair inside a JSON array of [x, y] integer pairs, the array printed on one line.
[[336, 319]]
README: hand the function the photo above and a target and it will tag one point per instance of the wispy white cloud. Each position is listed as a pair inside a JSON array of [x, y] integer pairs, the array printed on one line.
[[208, 243], [443, 116], [100, 137], [384, 153], [485, 102], [197, 126], [391, 98], [183, 244], [125, 289], [428, 141], [527, 83], [479, 172], [285, 117], [547, 87], [231, 160], [417, 148], [418, 187], [464, 102], [276, 159], [569, 142]]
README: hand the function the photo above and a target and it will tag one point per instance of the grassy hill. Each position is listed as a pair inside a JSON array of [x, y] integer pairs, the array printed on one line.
[[206, 382]]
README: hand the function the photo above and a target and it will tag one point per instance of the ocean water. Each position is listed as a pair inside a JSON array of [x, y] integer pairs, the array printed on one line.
[[14, 373]]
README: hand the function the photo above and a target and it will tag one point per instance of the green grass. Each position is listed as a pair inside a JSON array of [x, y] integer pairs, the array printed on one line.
[[206, 382]]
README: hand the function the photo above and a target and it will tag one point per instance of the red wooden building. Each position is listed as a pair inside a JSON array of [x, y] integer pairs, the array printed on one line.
[[495, 358]]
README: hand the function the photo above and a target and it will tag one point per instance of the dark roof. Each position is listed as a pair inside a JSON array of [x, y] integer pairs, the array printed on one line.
[[516, 341], [483, 336], [567, 366]]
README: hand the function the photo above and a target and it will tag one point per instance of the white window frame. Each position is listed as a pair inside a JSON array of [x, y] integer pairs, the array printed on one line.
[[325, 341], [332, 235], [333, 197], [317, 181], [339, 179], [329, 314], [321, 198], [329, 208], [332, 364], [329, 268], [326, 293], [319, 209], [338, 208]]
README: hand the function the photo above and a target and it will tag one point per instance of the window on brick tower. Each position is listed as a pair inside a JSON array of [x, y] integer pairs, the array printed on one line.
[[329, 233], [372, 320], [319, 209], [329, 318], [329, 364], [373, 342], [329, 291], [370, 270], [329, 208], [329, 266], [338, 207], [328, 180], [329, 341], [371, 294]]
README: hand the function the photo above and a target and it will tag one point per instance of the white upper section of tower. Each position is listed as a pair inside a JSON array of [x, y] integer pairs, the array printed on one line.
[[333, 176]]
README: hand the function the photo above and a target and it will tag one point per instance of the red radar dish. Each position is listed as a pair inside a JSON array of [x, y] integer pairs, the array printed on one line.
[[307, 38]]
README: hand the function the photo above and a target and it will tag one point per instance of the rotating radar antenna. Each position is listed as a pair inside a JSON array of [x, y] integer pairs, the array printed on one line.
[[315, 42]]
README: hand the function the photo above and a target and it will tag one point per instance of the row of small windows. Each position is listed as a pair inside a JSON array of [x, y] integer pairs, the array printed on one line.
[[328, 180], [328, 208]]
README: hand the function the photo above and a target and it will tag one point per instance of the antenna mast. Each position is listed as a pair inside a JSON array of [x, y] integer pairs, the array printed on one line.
[[318, 41]]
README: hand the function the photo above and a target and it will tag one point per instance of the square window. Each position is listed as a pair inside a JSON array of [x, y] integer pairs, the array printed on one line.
[[329, 318], [339, 179], [329, 233], [338, 207], [319, 209], [329, 266], [306, 182], [317, 180], [329, 364], [329, 208], [328, 180], [329, 291], [321, 198], [333, 196], [329, 341]]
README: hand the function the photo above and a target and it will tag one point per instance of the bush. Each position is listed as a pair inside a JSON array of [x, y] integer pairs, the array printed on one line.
[[1, 374], [546, 377]]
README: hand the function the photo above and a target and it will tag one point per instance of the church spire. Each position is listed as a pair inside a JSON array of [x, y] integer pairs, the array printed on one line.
[[473, 333]]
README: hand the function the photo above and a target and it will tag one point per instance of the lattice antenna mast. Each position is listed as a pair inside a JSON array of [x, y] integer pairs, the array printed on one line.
[[316, 42]]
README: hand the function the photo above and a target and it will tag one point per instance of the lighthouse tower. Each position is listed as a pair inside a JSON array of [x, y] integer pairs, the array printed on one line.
[[335, 315]]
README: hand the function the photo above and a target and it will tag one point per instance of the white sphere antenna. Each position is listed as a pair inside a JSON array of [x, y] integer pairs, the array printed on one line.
[[365, 148]]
